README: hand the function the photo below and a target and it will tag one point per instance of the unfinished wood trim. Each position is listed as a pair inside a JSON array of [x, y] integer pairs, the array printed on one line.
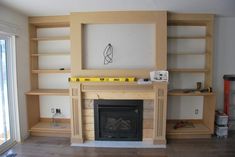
[[160, 111], [161, 43], [209, 112], [33, 110], [50, 134], [188, 19], [59, 120], [33, 49], [119, 95], [209, 51], [160, 141], [189, 136], [76, 115], [76, 45], [119, 17], [116, 87], [159, 18], [140, 73], [76, 139], [50, 21], [58, 92]]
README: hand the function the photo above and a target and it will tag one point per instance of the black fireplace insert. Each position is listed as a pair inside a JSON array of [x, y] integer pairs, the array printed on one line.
[[118, 120]]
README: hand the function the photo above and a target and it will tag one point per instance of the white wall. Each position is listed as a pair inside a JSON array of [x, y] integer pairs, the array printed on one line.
[[224, 57], [133, 46], [19, 23], [48, 81]]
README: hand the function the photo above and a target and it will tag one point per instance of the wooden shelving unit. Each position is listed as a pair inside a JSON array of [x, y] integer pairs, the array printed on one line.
[[199, 129], [181, 92], [186, 53], [204, 127], [187, 37], [37, 125], [51, 38], [188, 70], [50, 54], [50, 71], [48, 129], [58, 92]]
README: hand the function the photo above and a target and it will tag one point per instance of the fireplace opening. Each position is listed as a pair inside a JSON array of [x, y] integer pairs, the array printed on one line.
[[118, 120]]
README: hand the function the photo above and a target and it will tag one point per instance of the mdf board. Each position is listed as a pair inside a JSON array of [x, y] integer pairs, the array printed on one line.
[[79, 20]]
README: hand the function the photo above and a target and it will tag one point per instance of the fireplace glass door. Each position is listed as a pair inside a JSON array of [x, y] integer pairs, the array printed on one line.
[[118, 120]]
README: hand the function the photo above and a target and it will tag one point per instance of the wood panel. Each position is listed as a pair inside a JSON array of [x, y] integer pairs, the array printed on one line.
[[161, 43], [33, 49], [46, 92], [76, 114], [47, 129], [50, 21], [209, 112], [160, 109], [118, 95], [88, 119], [33, 110], [209, 51], [188, 19]]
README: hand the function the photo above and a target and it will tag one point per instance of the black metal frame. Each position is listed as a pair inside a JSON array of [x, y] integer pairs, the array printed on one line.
[[138, 104]]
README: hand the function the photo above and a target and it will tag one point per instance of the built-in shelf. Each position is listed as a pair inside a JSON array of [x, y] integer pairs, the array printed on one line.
[[51, 71], [198, 128], [57, 92], [188, 70], [49, 54], [183, 92], [186, 53], [48, 129], [187, 37], [51, 38]]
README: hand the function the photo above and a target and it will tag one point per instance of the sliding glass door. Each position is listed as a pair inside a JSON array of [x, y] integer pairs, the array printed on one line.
[[5, 127]]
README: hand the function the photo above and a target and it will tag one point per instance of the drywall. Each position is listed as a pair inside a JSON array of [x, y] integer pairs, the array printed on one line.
[[224, 57], [54, 81], [19, 24], [133, 46]]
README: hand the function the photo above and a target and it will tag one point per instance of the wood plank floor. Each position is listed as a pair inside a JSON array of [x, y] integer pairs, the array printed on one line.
[[59, 147]]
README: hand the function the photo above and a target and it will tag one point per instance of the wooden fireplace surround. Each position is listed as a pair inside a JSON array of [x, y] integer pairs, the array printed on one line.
[[156, 91]]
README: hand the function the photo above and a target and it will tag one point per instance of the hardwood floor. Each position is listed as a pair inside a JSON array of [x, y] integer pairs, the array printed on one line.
[[59, 147]]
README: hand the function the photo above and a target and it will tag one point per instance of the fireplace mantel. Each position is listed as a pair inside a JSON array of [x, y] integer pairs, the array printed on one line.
[[89, 90], [115, 90]]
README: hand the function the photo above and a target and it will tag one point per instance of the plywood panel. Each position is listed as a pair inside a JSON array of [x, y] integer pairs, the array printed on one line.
[[33, 110]]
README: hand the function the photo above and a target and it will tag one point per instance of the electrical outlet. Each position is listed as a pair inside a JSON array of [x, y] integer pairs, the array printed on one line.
[[52, 110], [58, 110], [196, 111]]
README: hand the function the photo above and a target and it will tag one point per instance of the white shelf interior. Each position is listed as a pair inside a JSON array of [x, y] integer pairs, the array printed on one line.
[[49, 80], [183, 107]]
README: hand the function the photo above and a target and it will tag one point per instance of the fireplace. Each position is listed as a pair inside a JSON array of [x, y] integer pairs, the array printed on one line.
[[118, 120]]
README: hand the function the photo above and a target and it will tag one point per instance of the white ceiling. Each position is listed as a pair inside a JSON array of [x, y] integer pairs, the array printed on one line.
[[63, 7]]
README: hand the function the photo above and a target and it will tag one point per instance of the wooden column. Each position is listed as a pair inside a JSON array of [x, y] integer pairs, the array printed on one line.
[[160, 111], [76, 113]]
